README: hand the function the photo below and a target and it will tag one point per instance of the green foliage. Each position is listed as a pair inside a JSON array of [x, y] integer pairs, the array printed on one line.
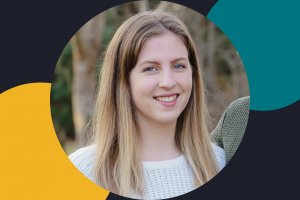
[[60, 98]]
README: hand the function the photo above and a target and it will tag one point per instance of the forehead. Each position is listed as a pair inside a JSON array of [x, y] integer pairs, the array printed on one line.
[[164, 46]]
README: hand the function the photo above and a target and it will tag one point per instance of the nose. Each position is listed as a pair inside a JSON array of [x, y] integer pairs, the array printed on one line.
[[166, 79]]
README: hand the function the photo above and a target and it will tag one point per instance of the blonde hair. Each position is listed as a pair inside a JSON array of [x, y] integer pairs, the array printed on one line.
[[117, 164]]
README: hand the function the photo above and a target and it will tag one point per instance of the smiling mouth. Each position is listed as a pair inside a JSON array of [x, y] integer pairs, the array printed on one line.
[[167, 99]]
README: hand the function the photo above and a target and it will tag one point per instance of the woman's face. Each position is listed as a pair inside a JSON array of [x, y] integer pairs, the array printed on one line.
[[161, 80]]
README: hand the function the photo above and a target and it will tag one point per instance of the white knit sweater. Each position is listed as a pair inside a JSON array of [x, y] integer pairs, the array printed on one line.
[[163, 179]]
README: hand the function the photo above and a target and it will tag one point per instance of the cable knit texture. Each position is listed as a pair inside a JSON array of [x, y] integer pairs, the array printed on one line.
[[163, 179]]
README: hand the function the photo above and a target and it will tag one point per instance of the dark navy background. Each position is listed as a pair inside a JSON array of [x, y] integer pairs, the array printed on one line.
[[33, 35]]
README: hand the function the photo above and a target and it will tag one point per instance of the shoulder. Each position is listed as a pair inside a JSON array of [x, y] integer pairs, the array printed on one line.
[[220, 156], [83, 159], [232, 123], [236, 116], [240, 105]]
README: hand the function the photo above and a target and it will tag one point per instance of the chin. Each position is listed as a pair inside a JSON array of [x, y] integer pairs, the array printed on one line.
[[167, 119]]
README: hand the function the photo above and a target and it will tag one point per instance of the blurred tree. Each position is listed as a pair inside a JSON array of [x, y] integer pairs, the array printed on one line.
[[60, 97], [210, 72], [162, 6], [85, 53], [143, 5]]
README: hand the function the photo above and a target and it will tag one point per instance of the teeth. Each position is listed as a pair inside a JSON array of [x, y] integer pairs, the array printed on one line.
[[166, 99]]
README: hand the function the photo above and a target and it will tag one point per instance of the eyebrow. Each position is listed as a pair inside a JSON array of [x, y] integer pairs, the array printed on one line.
[[156, 62]]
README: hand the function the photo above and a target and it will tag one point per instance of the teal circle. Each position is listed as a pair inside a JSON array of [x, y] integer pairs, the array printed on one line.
[[266, 35]]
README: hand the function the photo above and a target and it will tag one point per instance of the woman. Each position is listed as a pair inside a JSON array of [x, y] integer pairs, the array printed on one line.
[[151, 139]]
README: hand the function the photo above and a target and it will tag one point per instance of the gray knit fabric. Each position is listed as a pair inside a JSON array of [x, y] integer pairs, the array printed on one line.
[[231, 128]]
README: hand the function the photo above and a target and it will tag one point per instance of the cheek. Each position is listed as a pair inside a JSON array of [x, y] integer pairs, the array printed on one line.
[[144, 85], [186, 82], [141, 88]]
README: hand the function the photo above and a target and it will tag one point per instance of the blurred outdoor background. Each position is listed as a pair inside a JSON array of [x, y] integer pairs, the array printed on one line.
[[74, 80]]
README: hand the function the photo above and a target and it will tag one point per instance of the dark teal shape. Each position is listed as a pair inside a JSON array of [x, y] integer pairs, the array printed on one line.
[[267, 37]]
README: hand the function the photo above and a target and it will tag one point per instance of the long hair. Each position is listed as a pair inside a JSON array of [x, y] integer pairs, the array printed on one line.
[[117, 163]]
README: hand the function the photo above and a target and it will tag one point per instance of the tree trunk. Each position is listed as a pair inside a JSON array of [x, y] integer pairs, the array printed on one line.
[[143, 5], [210, 73], [85, 51], [162, 6], [234, 74]]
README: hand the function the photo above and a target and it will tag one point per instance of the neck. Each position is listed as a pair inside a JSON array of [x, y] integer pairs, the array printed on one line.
[[157, 140]]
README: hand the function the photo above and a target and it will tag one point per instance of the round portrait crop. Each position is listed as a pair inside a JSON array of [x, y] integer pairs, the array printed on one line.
[[150, 118], [149, 100]]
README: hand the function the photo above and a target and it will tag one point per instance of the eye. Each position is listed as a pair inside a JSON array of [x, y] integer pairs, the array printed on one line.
[[178, 66], [149, 69]]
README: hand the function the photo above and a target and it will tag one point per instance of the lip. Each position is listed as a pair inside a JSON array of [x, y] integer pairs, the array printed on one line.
[[167, 95], [168, 104]]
